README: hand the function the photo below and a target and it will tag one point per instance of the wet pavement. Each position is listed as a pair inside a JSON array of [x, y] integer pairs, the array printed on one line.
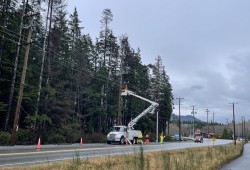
[[241, 163]]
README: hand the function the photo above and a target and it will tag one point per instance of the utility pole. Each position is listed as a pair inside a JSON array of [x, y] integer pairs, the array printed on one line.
[[20, 94], [157, 126], [234, 124], [242, 127], [123, 70], [179, 98], [120, 98], [213, 124], [207, 123], [193, 119]]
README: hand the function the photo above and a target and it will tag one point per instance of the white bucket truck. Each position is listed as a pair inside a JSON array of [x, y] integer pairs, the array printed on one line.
[[122, 133]]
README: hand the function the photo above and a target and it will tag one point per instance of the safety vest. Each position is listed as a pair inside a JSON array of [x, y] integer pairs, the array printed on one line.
[[140, 136]]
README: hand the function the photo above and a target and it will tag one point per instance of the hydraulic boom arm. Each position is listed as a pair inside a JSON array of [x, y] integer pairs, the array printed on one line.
[[150, 109]]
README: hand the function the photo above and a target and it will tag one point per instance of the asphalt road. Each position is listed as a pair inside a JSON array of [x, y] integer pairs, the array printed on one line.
[[241, 163], [26, 155]]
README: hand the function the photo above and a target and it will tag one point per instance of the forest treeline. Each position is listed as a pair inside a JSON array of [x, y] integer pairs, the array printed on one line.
[[72, 81]]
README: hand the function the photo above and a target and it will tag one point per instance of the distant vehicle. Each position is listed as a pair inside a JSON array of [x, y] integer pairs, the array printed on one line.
[[198, 139], [176, 137], [241, 139]]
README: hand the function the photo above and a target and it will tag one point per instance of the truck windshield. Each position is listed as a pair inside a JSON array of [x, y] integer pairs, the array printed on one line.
[[117, 129]]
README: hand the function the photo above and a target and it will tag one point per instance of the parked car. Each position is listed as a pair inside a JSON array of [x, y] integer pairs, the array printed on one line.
[[198, 139], [176, 137]]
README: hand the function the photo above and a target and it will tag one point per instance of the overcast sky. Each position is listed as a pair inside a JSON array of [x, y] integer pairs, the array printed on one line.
[[204, 45]]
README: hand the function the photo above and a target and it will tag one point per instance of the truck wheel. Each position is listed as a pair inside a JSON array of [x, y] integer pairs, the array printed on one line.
[[108, 142], [135, 141], [122, 140]]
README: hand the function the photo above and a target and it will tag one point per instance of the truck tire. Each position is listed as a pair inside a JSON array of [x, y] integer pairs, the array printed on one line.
[[108, 142], [122, 140], [135, 141]]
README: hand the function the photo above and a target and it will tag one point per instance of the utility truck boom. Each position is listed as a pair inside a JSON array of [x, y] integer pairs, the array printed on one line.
[[121, 133]]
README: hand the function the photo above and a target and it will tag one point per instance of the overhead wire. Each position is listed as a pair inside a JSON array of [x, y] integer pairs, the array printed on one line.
[[37, 73], [57, 55], [69, 62], [54, 54], [79, 66]]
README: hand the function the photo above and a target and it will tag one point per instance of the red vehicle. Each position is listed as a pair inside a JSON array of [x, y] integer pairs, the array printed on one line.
[[198, 139]]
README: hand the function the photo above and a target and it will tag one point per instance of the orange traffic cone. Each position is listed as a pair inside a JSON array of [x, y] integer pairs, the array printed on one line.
[[38, 144], [81, 141]]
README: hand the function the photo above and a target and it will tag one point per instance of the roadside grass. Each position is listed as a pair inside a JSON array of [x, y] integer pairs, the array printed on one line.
[[207, 158]]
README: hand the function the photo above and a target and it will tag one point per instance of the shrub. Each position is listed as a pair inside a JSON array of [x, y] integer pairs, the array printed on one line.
[[56, 138], [24, 136], [5, 138], [94, 138], [71, 132], [168, 138]]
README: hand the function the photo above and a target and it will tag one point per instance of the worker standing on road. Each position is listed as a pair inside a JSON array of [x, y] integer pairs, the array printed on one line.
[[140, 138], [161, 138], [147, 140]]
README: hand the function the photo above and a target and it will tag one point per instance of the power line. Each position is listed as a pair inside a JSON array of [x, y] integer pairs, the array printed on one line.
[[69, 62]]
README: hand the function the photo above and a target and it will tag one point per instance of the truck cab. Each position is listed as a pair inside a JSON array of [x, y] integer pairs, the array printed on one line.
[[117, 134]]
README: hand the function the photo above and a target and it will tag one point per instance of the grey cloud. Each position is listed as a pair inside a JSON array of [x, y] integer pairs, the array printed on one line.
[[196, 87]]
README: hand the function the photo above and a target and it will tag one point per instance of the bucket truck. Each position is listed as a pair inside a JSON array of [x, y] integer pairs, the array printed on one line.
[[122, 133]]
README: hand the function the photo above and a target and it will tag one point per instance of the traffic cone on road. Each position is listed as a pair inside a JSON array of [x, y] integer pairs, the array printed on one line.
[[38, 144], [81, 142]]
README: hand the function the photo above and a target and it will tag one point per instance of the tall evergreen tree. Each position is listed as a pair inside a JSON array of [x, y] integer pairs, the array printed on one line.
[[105, 33], [161, 91], [60, 109]]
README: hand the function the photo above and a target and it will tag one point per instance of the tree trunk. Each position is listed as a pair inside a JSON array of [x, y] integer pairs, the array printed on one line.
[[43, 59], [12, 89]]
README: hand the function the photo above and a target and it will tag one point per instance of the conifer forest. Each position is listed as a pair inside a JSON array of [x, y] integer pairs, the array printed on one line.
[[60, 84]]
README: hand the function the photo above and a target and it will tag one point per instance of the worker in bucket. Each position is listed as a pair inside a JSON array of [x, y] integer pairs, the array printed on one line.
[[162, 138], [140, 138]]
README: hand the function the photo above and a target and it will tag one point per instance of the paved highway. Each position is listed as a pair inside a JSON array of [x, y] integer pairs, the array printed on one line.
[[25, 155]]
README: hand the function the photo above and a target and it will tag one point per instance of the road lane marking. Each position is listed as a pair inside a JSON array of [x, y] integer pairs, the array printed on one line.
[[62, 159], [58, 151]]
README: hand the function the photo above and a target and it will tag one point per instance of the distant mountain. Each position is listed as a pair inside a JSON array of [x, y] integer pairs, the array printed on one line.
[[186, 118]]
